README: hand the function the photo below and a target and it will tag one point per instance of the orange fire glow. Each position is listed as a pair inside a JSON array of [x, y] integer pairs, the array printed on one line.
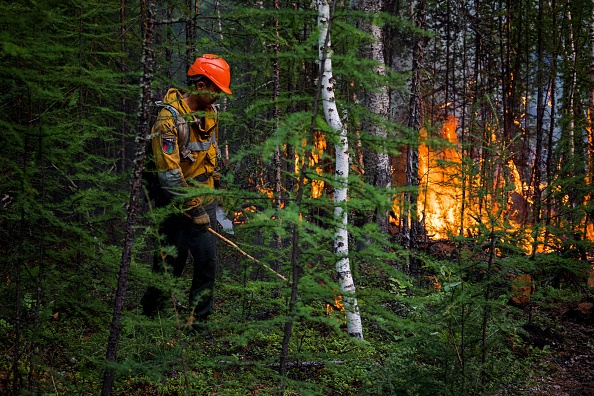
[[439, 200], [317, 186], [440, 194]]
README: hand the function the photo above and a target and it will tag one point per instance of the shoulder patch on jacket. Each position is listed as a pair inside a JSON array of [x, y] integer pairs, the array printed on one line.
[[168, 144]]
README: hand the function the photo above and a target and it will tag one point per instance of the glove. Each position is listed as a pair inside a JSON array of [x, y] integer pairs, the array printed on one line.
[[200, 218]]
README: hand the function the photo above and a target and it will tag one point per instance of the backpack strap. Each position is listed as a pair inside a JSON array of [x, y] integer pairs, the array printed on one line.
[[183, 131], [202, 146]]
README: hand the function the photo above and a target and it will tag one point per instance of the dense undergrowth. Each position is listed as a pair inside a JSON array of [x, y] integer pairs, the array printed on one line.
[[434, 334]]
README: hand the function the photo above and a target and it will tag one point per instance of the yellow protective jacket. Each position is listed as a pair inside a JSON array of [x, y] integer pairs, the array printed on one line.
[[181, 166]]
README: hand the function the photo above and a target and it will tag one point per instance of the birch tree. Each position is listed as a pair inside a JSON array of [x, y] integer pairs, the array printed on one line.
[[341, 242], [377, 100]]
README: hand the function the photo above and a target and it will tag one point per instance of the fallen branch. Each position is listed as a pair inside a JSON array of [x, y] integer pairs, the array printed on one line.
[[289, 364], [245, 254]]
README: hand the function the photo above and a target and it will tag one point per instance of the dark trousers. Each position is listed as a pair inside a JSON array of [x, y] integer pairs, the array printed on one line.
[[179, 231]]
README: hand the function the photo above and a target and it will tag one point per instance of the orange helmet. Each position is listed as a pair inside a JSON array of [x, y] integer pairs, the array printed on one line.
[[213, 67]]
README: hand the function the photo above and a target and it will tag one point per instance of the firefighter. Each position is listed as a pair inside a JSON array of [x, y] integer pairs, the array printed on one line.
[[185, 153]]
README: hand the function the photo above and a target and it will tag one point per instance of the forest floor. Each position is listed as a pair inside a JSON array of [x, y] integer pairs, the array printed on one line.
[[568, 368]]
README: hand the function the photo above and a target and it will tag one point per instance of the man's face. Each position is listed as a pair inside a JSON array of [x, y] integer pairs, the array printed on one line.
[[208, 92]]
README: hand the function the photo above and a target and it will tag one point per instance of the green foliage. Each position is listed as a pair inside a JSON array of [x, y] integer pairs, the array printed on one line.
[[62, 202], [69, 76]]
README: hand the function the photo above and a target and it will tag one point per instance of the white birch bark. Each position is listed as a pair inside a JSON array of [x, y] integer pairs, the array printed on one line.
[[378, 170], [341, 241]]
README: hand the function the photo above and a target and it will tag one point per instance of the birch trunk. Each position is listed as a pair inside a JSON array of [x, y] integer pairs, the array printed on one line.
[[377, 163], [575, 197], [341, 241]]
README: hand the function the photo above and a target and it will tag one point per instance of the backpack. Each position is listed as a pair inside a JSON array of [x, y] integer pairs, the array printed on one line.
[[150, 179]]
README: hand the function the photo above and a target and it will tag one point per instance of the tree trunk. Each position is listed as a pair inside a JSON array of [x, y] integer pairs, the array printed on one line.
[[191, 29], [123, 71], [341, 241], [549, 165], [410, 224], [591, 107], [135, 196], [276, 116], [574, 194], [590, 175], [16, 377], [377, 162], [540, 104]]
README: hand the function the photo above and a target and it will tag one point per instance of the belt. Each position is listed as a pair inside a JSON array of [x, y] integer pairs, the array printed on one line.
[[203, 178]]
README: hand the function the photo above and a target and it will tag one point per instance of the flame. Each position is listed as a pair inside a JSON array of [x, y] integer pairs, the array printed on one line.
[[317, 185], [439, 205], [435, 282], [269, 192], [439, 200], [239, 216], [338, 305], [319, 146]]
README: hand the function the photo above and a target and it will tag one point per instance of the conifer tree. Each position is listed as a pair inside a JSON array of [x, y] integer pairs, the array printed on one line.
[[135, 194], [60, 86], [410, 224]]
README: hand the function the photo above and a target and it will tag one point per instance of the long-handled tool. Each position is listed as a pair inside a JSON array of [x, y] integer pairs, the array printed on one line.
[[245, 254]]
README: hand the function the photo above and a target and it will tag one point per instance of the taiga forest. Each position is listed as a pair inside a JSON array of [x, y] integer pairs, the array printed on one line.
[[406, 200]]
